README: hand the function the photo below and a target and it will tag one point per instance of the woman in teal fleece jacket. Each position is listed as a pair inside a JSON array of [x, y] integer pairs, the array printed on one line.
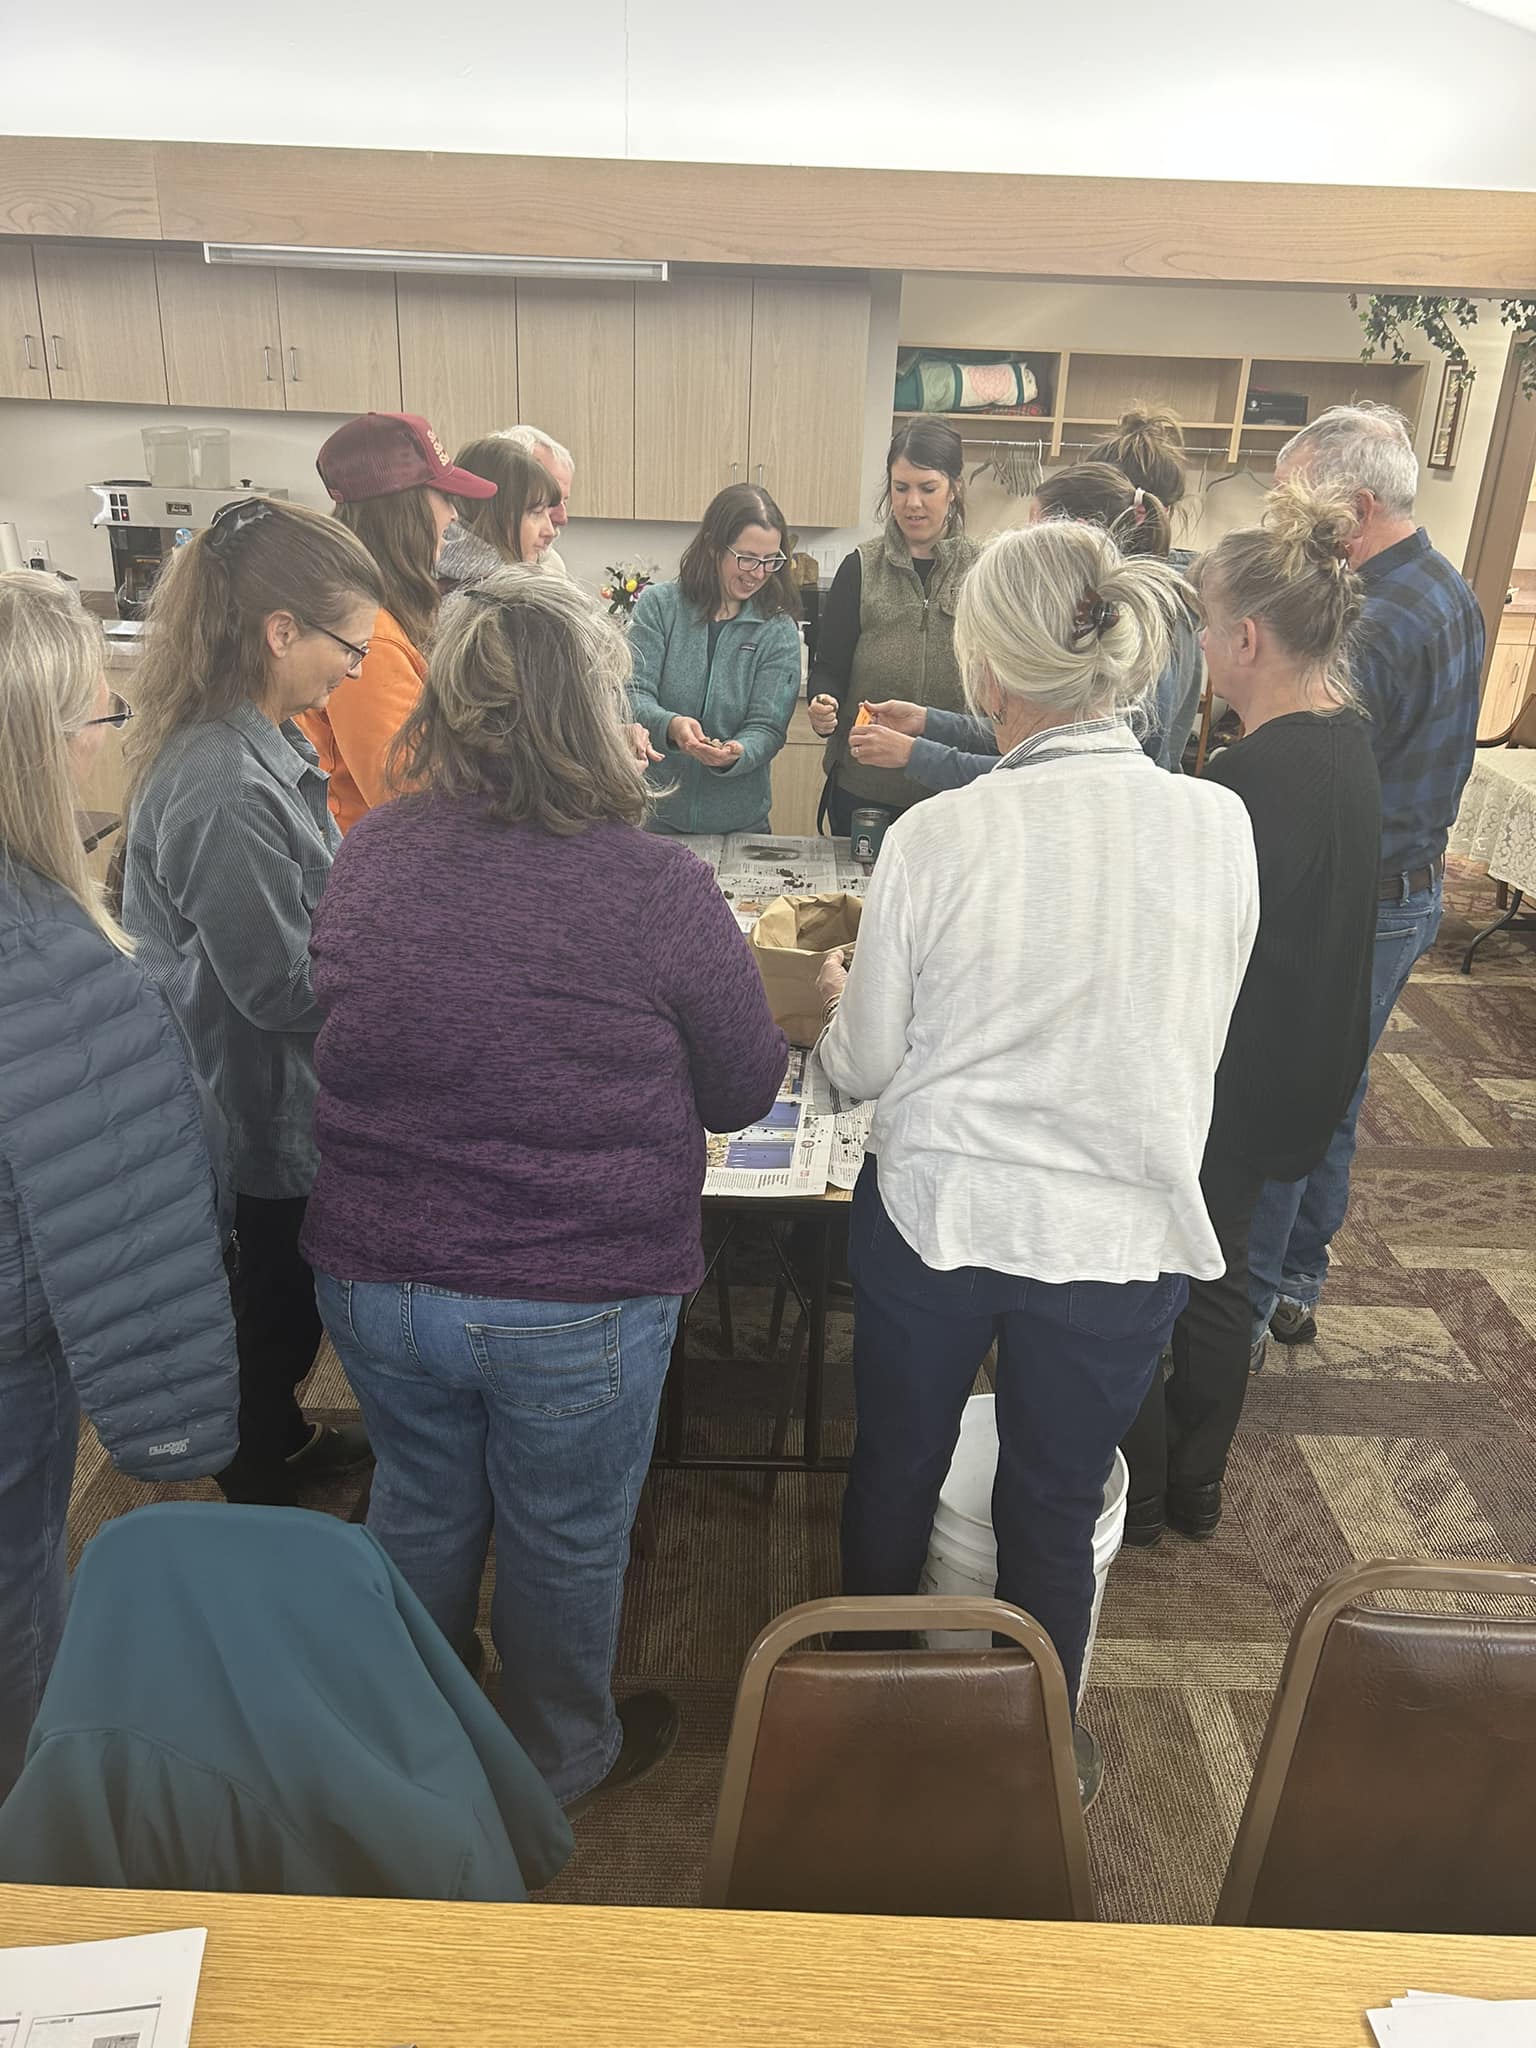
[[717, 668]]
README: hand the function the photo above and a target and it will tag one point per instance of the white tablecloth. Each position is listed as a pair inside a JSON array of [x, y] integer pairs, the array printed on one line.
[[1497, 819]]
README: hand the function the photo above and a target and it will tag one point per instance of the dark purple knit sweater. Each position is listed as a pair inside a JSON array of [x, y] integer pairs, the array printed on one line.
[[525, 1040]]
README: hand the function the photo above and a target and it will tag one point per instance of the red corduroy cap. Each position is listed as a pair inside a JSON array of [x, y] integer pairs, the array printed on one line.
[[381, 453]]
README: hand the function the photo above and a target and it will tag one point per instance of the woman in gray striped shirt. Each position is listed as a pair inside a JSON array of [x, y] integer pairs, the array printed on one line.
[[229, 845]]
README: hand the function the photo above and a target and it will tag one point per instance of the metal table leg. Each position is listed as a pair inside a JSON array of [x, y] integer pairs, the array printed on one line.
[[1488, 930], [813, 1306]]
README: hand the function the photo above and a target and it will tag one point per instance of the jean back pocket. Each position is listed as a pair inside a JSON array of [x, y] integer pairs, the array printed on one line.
[[565, 1368]]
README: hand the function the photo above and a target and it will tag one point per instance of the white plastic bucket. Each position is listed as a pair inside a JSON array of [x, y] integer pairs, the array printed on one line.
[[962, 1554]]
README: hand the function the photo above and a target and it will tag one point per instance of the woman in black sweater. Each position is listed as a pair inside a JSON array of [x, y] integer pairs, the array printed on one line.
[[1279, 602]]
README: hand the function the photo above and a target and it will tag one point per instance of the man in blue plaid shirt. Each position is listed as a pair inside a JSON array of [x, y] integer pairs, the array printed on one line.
[[1417, 665]]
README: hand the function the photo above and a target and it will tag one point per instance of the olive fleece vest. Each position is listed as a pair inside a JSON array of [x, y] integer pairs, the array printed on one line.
[[906, 649]]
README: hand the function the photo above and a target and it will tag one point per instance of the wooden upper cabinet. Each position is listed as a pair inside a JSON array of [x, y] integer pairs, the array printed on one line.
[[101, 323], [810, 351], [223, 344], [458, 354], [23, 360], [576, 380], [341, 340], [693, 372]]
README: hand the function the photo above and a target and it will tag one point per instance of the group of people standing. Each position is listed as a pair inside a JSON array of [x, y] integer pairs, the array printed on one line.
[[1116, 1022], [396, 970]]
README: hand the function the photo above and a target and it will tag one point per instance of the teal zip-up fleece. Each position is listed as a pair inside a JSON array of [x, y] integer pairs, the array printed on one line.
[[749, 695]]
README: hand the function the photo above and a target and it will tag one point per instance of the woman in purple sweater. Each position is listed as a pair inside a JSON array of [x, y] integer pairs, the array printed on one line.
[[533, 1012]]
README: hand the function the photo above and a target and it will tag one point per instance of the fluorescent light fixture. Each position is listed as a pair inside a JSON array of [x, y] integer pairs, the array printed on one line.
[[442, 263]]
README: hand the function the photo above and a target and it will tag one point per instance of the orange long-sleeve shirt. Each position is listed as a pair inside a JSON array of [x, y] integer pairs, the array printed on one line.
[[352, 734]]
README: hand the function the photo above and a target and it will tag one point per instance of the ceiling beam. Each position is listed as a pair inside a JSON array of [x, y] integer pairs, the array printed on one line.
[[1159, 229]]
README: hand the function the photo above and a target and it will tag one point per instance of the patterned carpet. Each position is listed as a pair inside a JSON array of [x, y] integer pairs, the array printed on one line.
[[1409, 1428]]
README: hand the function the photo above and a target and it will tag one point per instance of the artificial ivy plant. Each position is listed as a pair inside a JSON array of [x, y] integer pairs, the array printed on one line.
[[1389, 318]]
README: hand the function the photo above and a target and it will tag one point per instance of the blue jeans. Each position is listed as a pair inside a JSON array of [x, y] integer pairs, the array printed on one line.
[[1074, 1363], [1294, 1221], [537, 1417], [39, 1426]]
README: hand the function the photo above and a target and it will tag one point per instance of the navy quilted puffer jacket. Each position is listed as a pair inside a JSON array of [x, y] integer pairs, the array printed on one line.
[[108, 1237]]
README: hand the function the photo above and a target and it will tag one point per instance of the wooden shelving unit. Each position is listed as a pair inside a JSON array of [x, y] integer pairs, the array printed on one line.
[[1209, 394]]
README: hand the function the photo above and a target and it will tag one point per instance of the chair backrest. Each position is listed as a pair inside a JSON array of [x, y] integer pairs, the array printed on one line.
[[1396, 1786], [902, 1781]]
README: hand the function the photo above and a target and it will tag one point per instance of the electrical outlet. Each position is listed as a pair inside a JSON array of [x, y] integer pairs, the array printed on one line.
[[35, 554]]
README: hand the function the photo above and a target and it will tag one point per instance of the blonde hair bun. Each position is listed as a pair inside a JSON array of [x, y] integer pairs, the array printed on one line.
[[1310, 524], [1056, 615]]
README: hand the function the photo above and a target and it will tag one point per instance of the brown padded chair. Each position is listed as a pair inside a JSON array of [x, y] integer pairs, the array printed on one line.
[[1396, 1787], [901, 1781]]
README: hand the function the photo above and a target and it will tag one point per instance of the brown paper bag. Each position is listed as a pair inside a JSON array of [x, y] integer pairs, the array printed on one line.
[[789, 942]]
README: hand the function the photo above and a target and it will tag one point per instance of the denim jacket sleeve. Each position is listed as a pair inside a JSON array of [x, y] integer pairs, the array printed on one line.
[[954, 749]]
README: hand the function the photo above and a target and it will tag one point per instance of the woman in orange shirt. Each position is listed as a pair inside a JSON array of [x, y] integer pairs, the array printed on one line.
[[393, 485]]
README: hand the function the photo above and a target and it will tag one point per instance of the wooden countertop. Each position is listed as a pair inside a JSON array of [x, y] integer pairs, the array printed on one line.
[[362, 1973]]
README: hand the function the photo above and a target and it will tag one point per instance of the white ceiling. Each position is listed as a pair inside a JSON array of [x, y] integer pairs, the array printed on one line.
[[1521, 12]]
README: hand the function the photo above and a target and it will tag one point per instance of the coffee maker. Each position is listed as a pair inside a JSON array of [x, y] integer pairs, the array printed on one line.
[[146, 522]]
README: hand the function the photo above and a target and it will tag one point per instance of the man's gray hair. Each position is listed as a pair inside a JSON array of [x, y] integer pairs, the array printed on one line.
[[1358, 448], [532, 439]]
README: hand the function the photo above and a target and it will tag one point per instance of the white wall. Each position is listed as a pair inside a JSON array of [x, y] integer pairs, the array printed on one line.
[[1387, 92], [49, 452]]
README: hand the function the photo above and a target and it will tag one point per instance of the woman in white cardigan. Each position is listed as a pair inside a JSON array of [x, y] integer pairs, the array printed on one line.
[[1037, 1003]]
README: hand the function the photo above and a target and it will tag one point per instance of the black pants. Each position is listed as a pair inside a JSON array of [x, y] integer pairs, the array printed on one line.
[[277, 1333], [1073, 1364], [1187, 1422]]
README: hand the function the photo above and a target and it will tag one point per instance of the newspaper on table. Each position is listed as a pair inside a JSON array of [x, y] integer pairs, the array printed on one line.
[[1434, 2019], [786, 1152], [850, 1123], [828, 1142], [136, 1992], [754, 870]]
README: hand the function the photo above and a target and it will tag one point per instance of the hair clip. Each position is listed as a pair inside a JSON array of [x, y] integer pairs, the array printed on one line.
[[1094, 614], [233, 519]]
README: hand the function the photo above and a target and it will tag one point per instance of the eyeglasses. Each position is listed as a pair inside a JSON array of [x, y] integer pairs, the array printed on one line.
[[119, 715], [356, 656], [750, 565]]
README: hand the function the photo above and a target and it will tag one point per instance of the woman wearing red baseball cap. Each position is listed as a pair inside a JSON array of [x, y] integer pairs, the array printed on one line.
[[393, 485]]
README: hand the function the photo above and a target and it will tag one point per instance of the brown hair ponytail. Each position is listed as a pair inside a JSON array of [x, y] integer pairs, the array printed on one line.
[[205, 632], [400, 533], [1097, 494]]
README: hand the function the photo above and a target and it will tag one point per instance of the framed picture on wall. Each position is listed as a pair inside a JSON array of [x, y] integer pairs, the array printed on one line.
[[1450, 416]]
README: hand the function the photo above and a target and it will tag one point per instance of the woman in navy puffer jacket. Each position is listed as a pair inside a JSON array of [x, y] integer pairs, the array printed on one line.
[[112, 1287]]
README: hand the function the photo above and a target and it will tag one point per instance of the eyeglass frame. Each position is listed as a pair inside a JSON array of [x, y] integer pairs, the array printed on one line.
[[118, 718], [355, 653], [769, 564]]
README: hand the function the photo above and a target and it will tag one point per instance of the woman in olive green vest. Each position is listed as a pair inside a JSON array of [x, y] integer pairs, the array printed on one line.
[[887, 629]]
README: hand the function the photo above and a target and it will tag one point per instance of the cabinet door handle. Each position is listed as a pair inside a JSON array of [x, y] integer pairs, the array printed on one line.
[[26, 342], [760, 476], [734, 467], [58, 350], [266, 357], [293, 366]]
